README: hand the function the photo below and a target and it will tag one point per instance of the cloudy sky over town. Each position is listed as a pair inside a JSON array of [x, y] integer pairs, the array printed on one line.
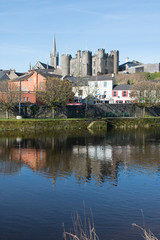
[[27, 28]]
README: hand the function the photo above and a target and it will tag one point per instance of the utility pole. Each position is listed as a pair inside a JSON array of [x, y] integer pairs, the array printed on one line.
[[19, 97]]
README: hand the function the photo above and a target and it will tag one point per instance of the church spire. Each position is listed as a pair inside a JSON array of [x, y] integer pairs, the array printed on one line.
[[54, 56], [54, 46]]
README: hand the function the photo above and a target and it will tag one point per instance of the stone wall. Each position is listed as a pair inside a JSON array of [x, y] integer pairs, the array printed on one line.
[[90, 111]]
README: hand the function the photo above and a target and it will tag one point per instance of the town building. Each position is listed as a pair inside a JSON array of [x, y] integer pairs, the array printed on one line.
[[93, 89], [121, 94], [151, 68], [137, 67], [6, 75], [101, 87], [128, 64], [30, 83]]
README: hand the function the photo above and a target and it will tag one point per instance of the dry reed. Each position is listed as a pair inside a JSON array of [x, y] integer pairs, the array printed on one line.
[[82, 230], [147, 235]]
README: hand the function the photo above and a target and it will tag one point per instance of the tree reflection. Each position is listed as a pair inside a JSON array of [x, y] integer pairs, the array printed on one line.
[[88, 157]]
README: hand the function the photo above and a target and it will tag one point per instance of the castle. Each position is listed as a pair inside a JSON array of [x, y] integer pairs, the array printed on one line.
[[84, 64]]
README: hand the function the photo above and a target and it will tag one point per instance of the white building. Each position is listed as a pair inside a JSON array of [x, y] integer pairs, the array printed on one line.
[[101, 87], [97, 87]]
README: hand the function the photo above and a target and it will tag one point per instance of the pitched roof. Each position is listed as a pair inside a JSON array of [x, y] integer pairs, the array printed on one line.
[[47, 74], [122, 87], [44, 65], [78, 81], [3, 76], [22, 78], [101, 78]]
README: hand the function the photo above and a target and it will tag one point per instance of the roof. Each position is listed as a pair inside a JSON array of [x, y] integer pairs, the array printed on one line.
[[135, 63], [122, 87], [26, 76], [47, 74], [22, 78], [5, 71], [4, 78], [46, 66], [78, 81], [102, 78]]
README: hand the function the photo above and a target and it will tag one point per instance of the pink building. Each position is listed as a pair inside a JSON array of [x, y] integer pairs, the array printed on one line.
[[121, 94], [30, 83]]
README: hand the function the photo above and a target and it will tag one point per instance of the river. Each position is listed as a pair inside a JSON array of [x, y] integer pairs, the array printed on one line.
[[44, 180]]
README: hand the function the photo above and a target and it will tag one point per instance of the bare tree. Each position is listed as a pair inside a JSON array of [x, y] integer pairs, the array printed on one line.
[[56, 93], [9, 96], [146, 94]]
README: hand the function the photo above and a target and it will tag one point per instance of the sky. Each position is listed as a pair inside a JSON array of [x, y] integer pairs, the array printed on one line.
[[27, 28]]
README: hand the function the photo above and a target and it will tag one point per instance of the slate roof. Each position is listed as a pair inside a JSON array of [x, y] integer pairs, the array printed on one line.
[[78, 81], [122, 87], [3, 76], [101, 78], [47, 74], [22, 78], [26, 76], [46, 66]]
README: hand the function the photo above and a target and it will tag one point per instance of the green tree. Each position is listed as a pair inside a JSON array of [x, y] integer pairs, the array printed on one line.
[[146, 94], [56, 94]]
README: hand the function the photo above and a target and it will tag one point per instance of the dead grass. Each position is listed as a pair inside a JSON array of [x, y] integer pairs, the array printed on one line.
[[82, 229], [146, 234]]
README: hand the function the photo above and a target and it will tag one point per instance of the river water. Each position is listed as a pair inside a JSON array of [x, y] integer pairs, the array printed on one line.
[[44, 180]]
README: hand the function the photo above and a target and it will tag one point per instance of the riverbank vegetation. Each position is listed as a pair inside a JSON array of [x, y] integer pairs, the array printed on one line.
[[81, 229]]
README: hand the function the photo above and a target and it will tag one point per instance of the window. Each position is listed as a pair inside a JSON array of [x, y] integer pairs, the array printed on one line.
[[21, 88], [96, 84], [24, 99], [124, 94], [41, 85], [119, 101], [27, 99], [26, 88], [30, 79], [105, 84], [114, 93], [80, 93]]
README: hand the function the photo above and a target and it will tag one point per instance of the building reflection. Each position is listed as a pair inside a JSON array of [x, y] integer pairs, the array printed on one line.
[[98, 158]]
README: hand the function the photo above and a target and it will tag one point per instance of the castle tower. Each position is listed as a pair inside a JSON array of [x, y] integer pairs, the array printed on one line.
[[98, 62], [86, 68], [54, 57], [66, 64], [115, 55]]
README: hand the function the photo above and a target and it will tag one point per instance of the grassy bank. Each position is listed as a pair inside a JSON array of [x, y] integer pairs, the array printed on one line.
[[133, 122], [49, 125]]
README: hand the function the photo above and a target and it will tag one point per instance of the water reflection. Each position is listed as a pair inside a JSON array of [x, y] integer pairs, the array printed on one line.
[[88, 157]]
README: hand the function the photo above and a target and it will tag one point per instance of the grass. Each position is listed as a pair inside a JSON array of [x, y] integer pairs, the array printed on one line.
[[82, 230], [85, 230], [146, 234]]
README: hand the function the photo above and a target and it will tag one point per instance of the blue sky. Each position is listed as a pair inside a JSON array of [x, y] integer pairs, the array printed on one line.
[[27, 28]]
